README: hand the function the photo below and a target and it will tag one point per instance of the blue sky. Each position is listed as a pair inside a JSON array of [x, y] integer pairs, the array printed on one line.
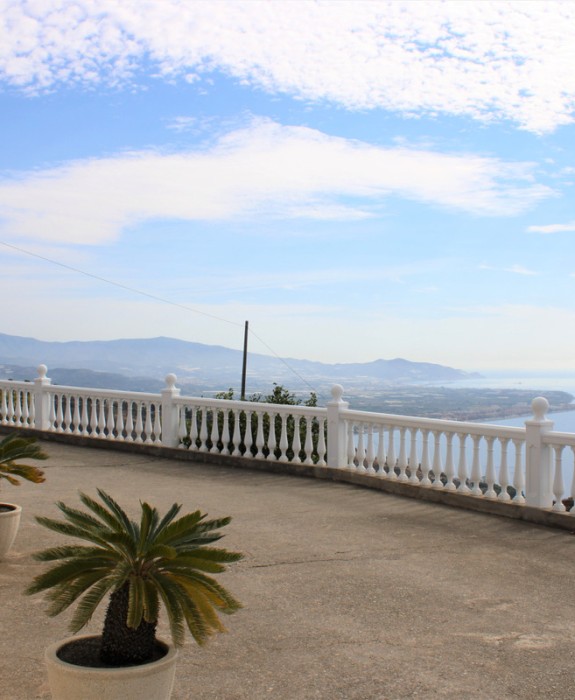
[[359, 180]]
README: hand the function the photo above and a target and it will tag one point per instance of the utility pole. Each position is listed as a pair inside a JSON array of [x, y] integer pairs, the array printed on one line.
[[245, 363]]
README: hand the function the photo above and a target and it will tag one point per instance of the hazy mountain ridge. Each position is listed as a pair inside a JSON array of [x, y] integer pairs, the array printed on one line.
[[146, 361]]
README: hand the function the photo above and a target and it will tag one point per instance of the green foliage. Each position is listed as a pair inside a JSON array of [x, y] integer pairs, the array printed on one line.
[[142, 565], [15, 447]]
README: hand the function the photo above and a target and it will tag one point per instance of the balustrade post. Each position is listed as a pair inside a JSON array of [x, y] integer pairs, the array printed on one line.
[[41, 399], [170, 413], [538, 477], [336, 429]]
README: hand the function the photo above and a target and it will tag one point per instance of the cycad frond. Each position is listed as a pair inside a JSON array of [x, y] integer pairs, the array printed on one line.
[[15, 447], [72, 530], [127, 524], [89, 603]]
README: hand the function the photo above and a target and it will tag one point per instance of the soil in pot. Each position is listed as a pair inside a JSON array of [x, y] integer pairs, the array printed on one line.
[[85, 651], [6, 509]]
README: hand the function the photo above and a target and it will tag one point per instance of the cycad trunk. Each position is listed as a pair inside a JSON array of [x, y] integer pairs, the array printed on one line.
[[121, 645]]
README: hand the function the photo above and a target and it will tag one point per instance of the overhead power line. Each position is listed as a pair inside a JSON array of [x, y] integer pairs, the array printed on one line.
[[155, 298]]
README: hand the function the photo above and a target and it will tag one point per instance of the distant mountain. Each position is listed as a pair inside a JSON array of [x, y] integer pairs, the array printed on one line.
[[141, 364]]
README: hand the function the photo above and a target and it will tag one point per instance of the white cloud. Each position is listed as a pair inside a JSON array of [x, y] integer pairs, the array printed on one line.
[[515, 269], [262, 170], [553, 228], [496, 60]]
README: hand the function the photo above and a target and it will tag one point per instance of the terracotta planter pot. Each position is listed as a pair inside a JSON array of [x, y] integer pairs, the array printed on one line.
[[9, 522], [153, 681]]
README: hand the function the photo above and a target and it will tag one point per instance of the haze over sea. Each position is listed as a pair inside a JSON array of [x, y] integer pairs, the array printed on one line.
[[564, 420]]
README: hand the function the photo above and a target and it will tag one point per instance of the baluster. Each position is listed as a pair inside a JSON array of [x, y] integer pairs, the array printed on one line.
[[260, 442], [194, 433], [203, 430], [238, 434], [60, 414], [558, 480], [308, 446], [381, 452], [52, 412], [391, 459], [157, 427], [476, 468], [130, 422], [212, 430], [518, 477], [360, 449], [25, 408], [183, 432], [425, 467], [490, 469], [350, 446], [77, 416], [4, 408], [32, 410], [148, 429], [18, 413], [120, 421], [321, 446], [449, 466], [572, 494], [67, 420], [226, 433], [503, 471], [370, 454], [402, 460], [11, 407], [413, 461], [283, 439], [102, 419], [272, 439], [462, 464], [437, 467], [139, 423], [110, 422], [296, 445]]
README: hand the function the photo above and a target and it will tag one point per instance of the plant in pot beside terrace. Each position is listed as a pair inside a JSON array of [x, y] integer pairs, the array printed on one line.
[[142, 566], [13, 448]]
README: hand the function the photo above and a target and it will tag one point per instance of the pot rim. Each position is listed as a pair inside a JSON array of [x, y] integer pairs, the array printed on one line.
[[13, 507], [51, 657]]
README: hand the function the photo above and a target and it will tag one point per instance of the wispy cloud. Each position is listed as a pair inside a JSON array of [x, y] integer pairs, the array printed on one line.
[[262, 170], [553, 228], [497, 60], [515, 269]]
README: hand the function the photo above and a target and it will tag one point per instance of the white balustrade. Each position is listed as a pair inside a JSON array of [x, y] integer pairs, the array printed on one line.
[[522, 465], [431, 448], [240, 429]]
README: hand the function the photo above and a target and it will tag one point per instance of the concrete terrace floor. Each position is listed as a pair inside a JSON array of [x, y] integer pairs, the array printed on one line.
[[349, 593]]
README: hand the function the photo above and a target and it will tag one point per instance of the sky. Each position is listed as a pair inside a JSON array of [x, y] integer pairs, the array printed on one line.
[[358, 180]]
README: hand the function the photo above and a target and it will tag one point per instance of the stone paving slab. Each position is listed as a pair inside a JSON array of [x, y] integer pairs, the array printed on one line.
[[349, 593]]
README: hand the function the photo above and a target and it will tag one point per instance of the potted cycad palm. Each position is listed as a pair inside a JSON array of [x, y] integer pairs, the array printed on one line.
[[142, 566], [13, 448]]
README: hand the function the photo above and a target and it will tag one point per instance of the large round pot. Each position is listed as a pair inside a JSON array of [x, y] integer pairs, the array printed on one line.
[[9, 522], [153, 681]]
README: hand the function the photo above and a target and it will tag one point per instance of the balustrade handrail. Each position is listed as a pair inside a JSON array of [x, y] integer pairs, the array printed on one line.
[[526, 465], [434, 424], [261, 406]]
